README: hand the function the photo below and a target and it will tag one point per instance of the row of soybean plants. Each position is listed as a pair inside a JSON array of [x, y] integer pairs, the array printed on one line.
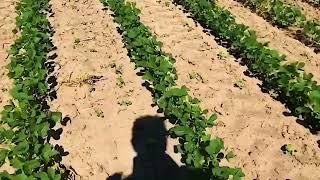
[[26, 121], [289, 81], [285, 15], [190, 122]]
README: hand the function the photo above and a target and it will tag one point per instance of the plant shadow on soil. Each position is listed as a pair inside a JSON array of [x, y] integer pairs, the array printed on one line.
[[149, 140], [309, 123]]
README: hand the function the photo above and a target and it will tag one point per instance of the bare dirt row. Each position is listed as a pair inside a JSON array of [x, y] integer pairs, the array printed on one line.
[[7, 37]]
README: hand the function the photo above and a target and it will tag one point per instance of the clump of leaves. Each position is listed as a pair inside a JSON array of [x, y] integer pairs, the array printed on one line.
[[288, 149]]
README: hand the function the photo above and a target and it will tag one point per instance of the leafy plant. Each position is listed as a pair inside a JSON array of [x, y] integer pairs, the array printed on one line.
[[190, 122], [27, 119], [288, 149], [99, 112], [120, 82], [240, 83]]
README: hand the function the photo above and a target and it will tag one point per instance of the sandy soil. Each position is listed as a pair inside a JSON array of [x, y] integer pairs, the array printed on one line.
[[279, 39], [99, 135], [7, 37], [250, 122], [307, 9]]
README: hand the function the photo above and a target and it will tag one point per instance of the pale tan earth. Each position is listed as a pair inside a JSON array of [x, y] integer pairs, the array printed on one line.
[[98, 138], [278, 39], [7, 37]]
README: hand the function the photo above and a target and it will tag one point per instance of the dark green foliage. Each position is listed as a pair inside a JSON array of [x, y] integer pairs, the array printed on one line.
[[26, 121]]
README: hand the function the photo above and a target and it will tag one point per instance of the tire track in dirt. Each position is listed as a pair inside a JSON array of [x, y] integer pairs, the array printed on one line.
[[99, 135], [277, 38], [250, 122], [7, 37]]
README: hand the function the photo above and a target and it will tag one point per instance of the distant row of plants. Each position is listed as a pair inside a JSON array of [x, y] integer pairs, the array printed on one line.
[[285, 15], [288, 81], [190, 122], [26, 121]]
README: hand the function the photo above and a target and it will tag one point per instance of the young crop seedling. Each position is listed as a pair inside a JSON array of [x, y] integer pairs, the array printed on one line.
[[222, 55], [288, 149], [99, 112], [125, 103], [196, 76], [77, 41], [120, 82], [240, 83]]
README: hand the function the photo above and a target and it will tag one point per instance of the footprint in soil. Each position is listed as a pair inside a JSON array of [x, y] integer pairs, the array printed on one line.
[[149, 139]]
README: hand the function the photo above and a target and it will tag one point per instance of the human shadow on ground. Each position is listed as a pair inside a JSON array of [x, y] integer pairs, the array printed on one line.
[[149, 140]]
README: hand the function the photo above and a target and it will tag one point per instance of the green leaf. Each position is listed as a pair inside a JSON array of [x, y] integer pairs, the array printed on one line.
[[21, 176], [43, 176], [18, 71], [53, 174], [215, 146], [3, 156], [230, 155], [211, 121], [21, 148], [181, 130], [30, 166], [48, 152], [16, 163], [56, 116], [177, 92]]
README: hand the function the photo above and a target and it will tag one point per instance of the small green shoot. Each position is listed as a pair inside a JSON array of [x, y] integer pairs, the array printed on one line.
[[77, 41], [125, 103], [222, 55], [120, 82], [230, 155], [288, 149], [240, 83], [197, 76], [99, 112]]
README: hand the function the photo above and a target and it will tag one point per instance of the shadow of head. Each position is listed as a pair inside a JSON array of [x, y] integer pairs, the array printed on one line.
[[149, 136]]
